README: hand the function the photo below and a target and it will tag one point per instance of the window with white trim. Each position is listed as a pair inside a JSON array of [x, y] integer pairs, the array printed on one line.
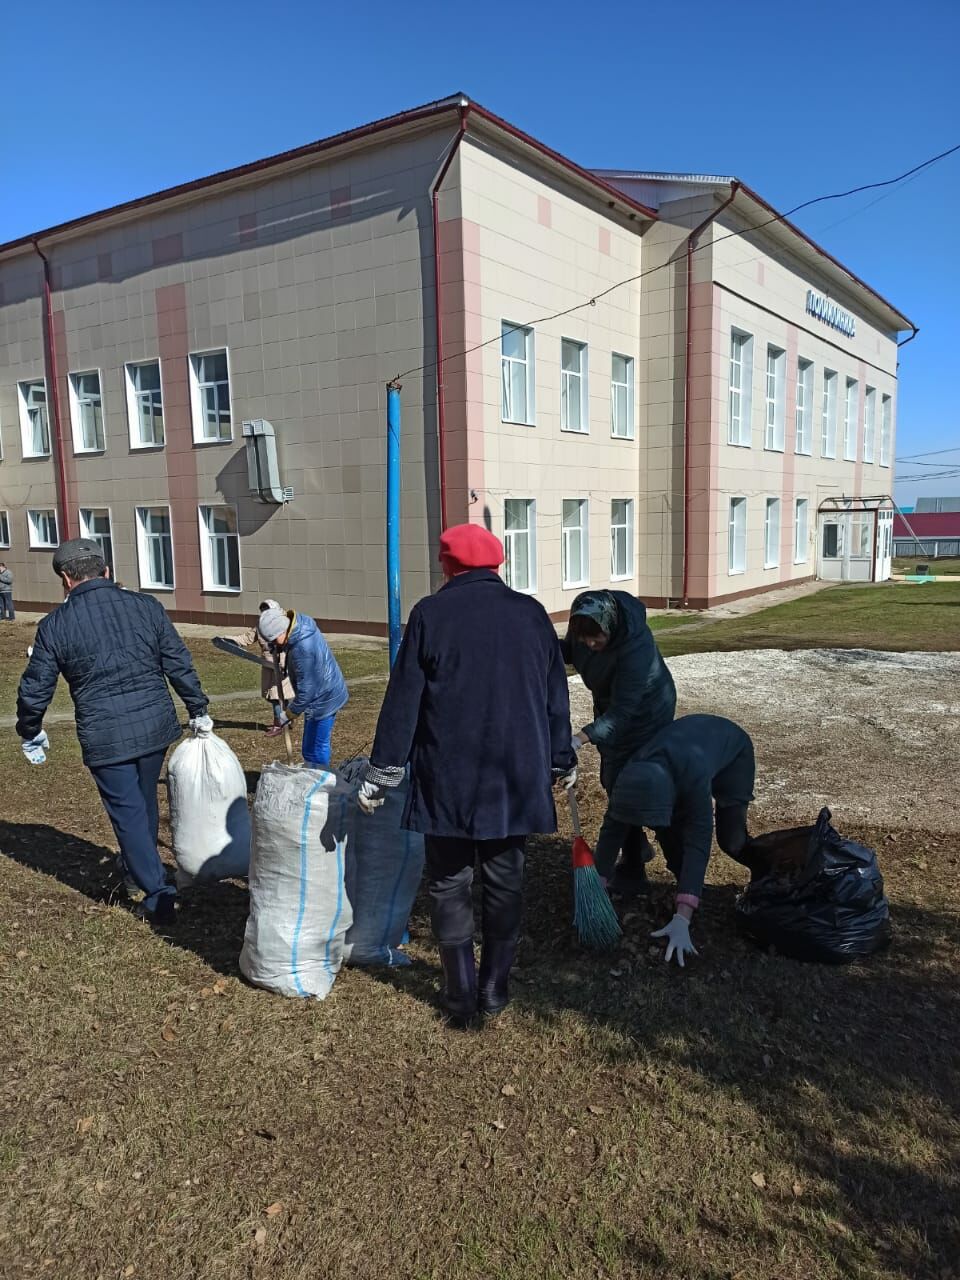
[[575, 542], [801, 530], [737, 536], [740, 394], [621, 538], [34, 423], [155, 548], [517, 399], [86, 412], [220, 548], [804, 439], [771, 534], [869, 423], [850, 420], [776, 397], [574, 414], [42, 528], [622, 397], [95, 524], [145, 404], [520, 543], [4, 529], [210, 397], [886, 429], [828, 415]]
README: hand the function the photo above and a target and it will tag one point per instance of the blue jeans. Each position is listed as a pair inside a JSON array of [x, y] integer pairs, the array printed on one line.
[[129, 795], [316, 740], [6, 605]]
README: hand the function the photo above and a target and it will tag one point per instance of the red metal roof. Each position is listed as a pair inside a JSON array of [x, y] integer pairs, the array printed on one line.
[[927, 524]]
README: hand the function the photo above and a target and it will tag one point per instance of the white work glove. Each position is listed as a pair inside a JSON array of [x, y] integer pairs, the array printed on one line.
[[34, 748], [370, 797], [576, 742], [202, 725], [568, 779], [677, 934]]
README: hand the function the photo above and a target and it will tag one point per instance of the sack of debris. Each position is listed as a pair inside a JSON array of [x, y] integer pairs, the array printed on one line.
[[209, 818], [384, 867], [299, 909], [815, 895]]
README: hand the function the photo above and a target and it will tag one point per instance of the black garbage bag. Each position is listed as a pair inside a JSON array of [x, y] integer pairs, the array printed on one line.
[[815, 895]]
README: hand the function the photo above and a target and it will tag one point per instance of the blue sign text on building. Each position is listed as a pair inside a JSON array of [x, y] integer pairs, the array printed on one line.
[[830, 313]]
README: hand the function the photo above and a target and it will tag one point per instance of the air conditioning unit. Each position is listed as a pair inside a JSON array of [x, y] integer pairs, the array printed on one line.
[[263, 469]]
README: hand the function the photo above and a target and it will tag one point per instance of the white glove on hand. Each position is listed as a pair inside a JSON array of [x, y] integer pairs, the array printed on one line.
[[34, 748], [677, 933], [568, 779], [576, 742], [370, 797], [202, 724]]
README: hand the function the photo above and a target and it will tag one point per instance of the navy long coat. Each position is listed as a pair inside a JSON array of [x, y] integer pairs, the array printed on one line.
[[478, 704]]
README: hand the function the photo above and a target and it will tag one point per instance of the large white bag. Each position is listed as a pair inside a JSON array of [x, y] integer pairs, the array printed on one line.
[[299, 909], [209, 818]]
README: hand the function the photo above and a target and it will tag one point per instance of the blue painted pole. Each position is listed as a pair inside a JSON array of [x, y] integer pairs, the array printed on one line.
[[393, 517]]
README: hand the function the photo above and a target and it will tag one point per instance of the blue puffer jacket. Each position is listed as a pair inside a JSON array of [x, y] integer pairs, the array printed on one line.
[[116, 650], [319, 687]]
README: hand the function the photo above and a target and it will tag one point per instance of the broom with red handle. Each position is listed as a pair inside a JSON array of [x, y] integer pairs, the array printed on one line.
[[594, 918]]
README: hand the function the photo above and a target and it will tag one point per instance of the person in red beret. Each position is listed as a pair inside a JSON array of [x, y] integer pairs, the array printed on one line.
[[478, 708]]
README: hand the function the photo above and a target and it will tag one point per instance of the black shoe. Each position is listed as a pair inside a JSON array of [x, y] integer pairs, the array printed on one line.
[[164, 913], [496, 961], [458, 999], [629, 882]]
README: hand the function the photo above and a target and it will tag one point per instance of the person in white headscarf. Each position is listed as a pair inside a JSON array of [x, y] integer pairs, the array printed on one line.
[[268, 680]]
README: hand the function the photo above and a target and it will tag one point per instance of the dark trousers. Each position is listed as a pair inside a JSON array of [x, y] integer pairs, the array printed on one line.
[[732, 837], [129, 795], [450, 864], [6, 606], [635, 848]]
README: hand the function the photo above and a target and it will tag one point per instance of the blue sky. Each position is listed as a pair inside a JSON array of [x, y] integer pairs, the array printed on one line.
[[116, 100]]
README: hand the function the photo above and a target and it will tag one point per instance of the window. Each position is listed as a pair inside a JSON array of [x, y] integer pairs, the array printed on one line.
[[34, 426], [804, 443], [737, 536], [86, 412], [869, 423], [828, 416], [575, 544], [4, 529], [621, 397], [520, 543], [219, 548], [210, 396], [775, 398], [574, 413], [861, 536], [155, 547], [771, 534], [850, 421], [741, 387], [801, 531], [621, 538], [516, 374], [42, 528], [832, 541], [95, 524], [145, 405], [886, 429]]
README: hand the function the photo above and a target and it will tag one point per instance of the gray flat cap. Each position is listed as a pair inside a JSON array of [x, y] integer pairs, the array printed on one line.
[[75, 549]]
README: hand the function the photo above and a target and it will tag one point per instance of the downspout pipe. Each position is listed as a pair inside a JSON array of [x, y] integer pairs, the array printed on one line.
[[441, 406], [53, 381], [692, 239]]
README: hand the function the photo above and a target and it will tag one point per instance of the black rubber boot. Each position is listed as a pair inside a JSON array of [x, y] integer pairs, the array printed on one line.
[[496, 961], [458, 999]]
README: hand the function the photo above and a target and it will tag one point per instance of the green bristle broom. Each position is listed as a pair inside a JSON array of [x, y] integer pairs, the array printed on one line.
[[594, 918]]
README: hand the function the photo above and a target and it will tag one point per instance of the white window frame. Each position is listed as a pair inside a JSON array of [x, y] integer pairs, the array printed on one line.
[[196, 396], [886, 429], [775, 399], [206, 550], [77, 404], [26, 427], [803, 443], [509, 544], [801, 542], [869, 424], [740, 389], [628, 430], [851, 397], [574, 387], [143, 560], [84, 514], [771, 533], [4, 529], [736, 537], [529, 374], [629, 536], [134, 398], [33, 528], [567, 534], [829, 405]]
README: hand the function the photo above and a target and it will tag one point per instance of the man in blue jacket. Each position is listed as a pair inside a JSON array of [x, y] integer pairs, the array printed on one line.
[[478, 705], [319, 688], [116, 650]]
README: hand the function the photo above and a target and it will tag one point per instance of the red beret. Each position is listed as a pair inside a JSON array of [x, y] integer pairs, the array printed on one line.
[[470, 546]]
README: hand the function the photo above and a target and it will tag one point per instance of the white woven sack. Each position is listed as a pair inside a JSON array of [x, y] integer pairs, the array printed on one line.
[[209, 818], [299, 910]]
